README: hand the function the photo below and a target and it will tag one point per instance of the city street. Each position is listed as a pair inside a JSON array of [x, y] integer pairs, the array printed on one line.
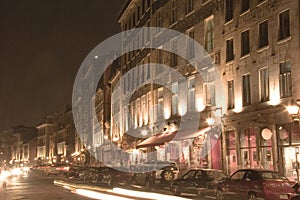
[[35, 186]]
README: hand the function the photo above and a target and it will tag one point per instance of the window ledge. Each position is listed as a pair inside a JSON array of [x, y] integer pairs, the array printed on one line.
[[226, 23], [245, 12], [261, 3], [284, 40], [261, 49], [245, 56], [229, 62]]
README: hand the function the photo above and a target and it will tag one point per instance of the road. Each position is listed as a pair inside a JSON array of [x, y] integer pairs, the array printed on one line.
[[36, 187]]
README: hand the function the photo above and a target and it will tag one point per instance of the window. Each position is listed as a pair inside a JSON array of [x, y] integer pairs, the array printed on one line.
[[285, 80], [248, 148], [238, 176], [133, 19], [159, 20], [263, 34], [230, 140], [229, 50], [209, 89], [284, 25], [191, 94], [230, 85], [209, 35], [174, 98], [138, 13], [190, 45], [245, 5], [189, 6], [160, 106], [246, 90], [173, 56], [264, 84], [173, 12], [228, 10], [245, 46]]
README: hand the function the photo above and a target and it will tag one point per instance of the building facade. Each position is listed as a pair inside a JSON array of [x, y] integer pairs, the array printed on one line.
[[255, 47]]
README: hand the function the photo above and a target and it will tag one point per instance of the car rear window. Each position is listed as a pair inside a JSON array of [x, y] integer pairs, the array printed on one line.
[[272, 175], [216, 175]]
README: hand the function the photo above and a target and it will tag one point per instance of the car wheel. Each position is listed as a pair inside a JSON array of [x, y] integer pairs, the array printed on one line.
[[176, 191], [148, 185], [251, 196], [168, 175], [219, 195]]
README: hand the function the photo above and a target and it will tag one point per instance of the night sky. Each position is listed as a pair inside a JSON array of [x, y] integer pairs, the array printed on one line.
[[42, 45]]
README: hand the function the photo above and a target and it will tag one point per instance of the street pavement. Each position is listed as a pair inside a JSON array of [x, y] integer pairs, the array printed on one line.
[[35, 186]]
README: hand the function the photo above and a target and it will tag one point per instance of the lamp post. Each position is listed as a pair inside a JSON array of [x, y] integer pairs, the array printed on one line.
[[297, 164]]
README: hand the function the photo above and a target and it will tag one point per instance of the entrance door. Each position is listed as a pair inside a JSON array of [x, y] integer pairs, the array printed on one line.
[[289, 162]]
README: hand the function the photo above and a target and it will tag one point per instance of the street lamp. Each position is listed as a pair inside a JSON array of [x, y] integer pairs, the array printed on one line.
[[293, 110]]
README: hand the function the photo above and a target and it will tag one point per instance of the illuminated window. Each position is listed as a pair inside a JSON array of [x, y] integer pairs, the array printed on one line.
[[230, 85], [209, 35], [264, 84], [285, 79], [246, 90], [174, 98]]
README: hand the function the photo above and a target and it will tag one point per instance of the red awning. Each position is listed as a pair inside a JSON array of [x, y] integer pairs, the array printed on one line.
[[157, 140], [182, 135]]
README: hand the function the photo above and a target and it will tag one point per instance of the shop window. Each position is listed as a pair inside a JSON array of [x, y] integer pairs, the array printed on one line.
[[246, 90], [249, 156], [263, 34], [231, 152], [229, 50], [245, 44], [264, 84], [285, 79], [245, 5], [230, 85], [284, 25], [228, 10]]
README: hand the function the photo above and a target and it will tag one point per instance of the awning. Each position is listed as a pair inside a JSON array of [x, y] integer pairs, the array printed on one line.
[[182, 135], [160, 139], [157, 140]]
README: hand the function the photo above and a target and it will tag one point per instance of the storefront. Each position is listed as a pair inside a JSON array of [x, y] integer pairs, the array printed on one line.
[[250, 148], [288, 147], [189, 150]]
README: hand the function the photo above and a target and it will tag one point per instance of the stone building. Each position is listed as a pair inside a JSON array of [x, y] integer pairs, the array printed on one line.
[[255, 48]]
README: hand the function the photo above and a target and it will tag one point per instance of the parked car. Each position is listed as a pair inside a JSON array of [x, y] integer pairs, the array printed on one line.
[[73, 172], [56, 169], [110, 176], [198, 181], [254, 184], [296, 194], [160, 173]]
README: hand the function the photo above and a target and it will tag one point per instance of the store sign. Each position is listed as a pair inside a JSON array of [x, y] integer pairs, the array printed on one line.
[[266, 134]]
